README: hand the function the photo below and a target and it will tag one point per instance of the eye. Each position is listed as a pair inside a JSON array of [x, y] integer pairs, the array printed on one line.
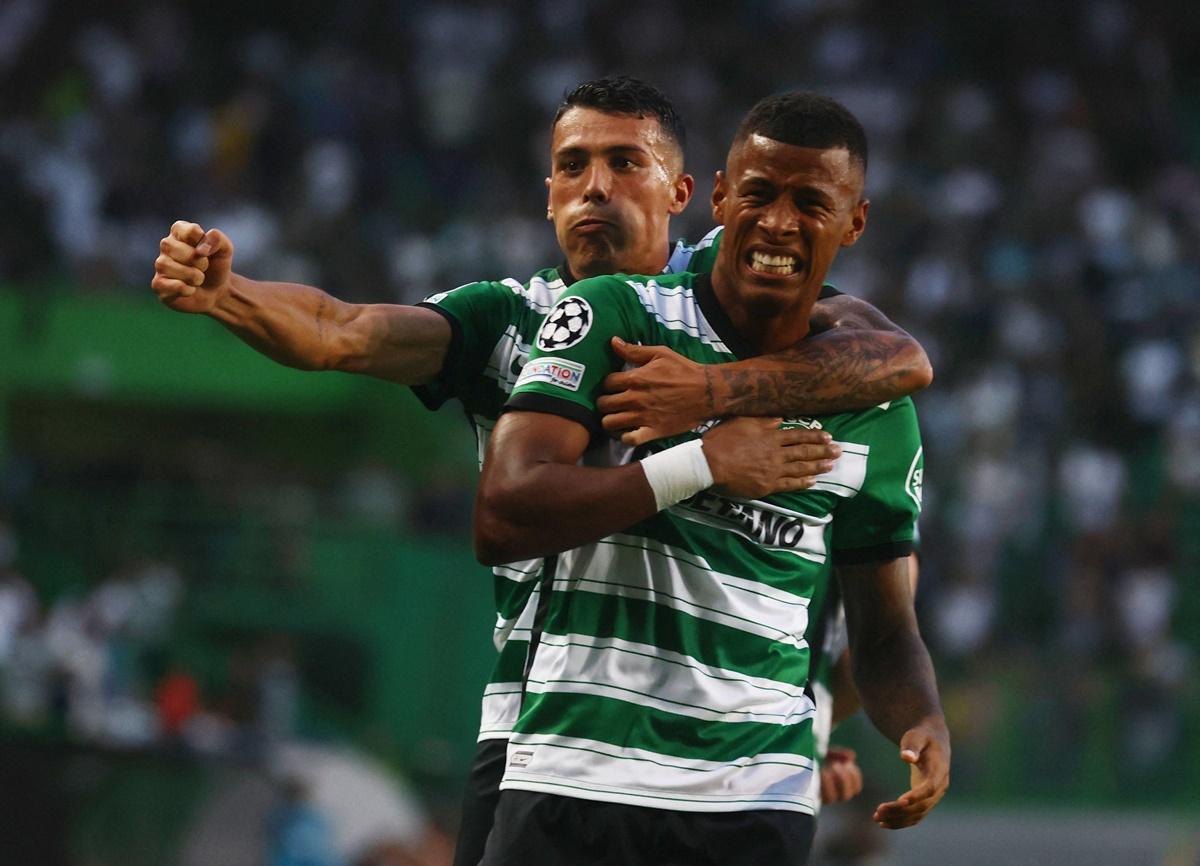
[[571, 166], [622, 163]]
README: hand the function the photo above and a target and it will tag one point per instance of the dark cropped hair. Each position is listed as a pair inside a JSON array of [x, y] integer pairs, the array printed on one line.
[[622, 94], [806, 119]]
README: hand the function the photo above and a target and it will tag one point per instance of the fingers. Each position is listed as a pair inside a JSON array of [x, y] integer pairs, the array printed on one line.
[[215, 243], [800, 436], [635, 353], [188, 233], [169, 289], [640, 436], [609, 403], [829, 452], [808, 458], [841, 778], [166, 266], [620, 422], [930, 774], [909, 808]]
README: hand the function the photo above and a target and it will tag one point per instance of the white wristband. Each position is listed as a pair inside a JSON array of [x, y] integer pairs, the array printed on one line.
[[677, 473]]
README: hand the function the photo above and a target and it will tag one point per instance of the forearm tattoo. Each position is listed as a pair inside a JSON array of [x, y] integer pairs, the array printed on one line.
[[835, 372]]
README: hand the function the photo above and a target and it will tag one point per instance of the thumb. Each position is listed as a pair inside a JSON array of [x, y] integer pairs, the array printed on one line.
[[912, 744], [215, 243]]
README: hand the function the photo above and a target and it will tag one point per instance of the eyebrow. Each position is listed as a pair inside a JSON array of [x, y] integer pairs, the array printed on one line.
[[578, 150], [816, 193]]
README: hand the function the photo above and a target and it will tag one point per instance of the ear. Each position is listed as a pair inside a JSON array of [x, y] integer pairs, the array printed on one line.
[[858, 223], [549, 209], [718, 198], [682, 191]]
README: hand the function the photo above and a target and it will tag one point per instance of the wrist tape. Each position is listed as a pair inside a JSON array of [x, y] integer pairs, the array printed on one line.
[[677, 473]]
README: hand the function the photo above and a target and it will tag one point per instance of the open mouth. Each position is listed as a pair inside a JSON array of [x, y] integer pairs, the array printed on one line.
[[777, 265]]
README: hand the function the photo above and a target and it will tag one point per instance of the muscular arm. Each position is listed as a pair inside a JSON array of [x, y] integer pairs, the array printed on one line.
[[858, 359], [304, 327], [296, 325], [895, 680], [535, 500]]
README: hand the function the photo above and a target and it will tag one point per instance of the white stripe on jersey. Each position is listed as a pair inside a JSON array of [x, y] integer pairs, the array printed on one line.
[[770, 526], [499, 710], [566, 765], [680, 580], [675, 308], [540, 296], [848, 473], [653, 677]]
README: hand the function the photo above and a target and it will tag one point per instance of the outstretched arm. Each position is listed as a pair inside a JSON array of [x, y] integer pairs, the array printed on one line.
[[859, 359], [895, 679], [296, 325], [535, 500]]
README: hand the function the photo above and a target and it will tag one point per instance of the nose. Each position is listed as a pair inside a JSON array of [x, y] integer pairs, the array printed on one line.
[[598, 183], [780, 218]]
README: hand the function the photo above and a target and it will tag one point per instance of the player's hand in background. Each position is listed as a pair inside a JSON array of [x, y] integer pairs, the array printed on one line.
[[754, 457], [664, 395], [841, 778], [192, 270], [927, 751]]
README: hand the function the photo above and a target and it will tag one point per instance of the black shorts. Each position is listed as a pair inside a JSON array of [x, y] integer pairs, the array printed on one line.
[[479, 801], [533, 829]]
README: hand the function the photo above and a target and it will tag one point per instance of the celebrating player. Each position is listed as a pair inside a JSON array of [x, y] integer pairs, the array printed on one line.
[[665, 717], [616, 179]]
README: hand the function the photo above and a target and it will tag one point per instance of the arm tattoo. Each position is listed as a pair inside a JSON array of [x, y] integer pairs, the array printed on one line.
[[321, 319], [838, 371]]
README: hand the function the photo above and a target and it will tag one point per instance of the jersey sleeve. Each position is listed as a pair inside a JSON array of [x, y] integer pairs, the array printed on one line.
[[880, 521], [475, 312], [572, 352]]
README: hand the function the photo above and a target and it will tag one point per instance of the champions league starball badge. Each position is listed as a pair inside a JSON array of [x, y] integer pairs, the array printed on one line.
[[567, 324]]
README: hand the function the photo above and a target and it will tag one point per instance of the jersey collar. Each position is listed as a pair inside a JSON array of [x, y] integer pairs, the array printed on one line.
[[568, 278], [718, 319]]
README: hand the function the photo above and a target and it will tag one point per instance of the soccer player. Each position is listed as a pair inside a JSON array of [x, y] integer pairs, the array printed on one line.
[[665, 717], [616, 179]]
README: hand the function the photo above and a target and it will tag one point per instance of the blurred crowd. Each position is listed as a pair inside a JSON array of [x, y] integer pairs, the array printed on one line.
[[1035, 222], [101, 670]]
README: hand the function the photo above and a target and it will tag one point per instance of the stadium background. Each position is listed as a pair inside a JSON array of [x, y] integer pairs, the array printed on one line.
[[203, 554]]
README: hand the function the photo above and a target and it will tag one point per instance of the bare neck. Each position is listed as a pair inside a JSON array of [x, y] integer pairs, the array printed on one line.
[[768, 324]]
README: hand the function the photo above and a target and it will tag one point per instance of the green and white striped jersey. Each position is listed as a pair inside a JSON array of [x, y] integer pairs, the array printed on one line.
[[493, 324], [673, 660]]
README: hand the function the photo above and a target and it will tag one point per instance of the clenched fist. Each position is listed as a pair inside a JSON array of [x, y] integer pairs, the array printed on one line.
[[192, 270]]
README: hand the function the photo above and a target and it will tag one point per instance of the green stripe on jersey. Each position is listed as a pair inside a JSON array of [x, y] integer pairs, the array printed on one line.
[[659, 732], [606, 616]]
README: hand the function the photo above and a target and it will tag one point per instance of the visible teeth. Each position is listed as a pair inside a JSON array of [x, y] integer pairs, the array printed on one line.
[[773, 264]]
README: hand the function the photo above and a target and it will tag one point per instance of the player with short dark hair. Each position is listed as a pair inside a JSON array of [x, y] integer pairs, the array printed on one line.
[[614, 185], [665, 716], [806, 119]]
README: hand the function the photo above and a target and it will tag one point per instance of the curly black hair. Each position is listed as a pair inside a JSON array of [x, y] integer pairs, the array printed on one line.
[[806, 119]]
